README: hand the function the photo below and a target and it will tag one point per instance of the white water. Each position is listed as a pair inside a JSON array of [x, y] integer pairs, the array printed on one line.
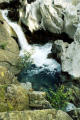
[[17, 28], [39, 52]]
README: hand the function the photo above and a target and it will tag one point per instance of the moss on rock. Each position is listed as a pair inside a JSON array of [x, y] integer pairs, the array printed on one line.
[[6, 77], [12, 98]]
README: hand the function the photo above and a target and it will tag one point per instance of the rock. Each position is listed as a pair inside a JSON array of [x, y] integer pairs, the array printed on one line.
[[75, 95], [41, 15], [69, 56], [70, 107], [75, 114], [9, 49], [70, 16], [36, 115], [73, 86], [13, 97], [55, 16], [37, 100], [6, 77], [2, 1], [27, 85], [70, 20], [70, 60], [58, 48], [77, 35]]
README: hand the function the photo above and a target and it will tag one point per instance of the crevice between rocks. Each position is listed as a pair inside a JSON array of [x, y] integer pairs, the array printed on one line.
[[42, 36], [11, 5]]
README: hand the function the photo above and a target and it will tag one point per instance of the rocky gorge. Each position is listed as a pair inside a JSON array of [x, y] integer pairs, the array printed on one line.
[[52, 29]]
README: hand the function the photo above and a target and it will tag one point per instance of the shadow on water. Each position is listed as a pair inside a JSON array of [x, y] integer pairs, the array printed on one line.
[[41, 78]]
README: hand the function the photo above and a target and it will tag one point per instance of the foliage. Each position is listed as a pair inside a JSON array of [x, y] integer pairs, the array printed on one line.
[[58, 98], [3, 45], [12, 98], [24, 61], [4, 104]]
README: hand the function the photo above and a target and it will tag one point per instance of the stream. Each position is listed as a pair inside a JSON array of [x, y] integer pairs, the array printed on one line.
[[43, 72]]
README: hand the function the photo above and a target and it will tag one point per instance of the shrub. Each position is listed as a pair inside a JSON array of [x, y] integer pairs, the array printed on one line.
[[4, 104], [24, 61], [58, 98]]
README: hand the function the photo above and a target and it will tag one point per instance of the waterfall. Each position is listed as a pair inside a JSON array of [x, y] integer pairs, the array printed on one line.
[[17, 28], [44, 68]]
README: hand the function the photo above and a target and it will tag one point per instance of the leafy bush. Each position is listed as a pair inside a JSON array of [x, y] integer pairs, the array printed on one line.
[[59, 98], [24, 61], [4, 104]]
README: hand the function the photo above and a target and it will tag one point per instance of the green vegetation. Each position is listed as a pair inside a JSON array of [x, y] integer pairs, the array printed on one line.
[[12, 98], [24, 61], [3, 45], [5, 105], [59, 98]]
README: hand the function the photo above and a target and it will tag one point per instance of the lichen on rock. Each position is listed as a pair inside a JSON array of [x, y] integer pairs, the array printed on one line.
[[13, 97], [50, 114]]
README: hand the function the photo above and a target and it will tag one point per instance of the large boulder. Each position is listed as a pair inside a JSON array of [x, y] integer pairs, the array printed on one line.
[[37, 100], [41, 15], [55, 16], [70, 60], [9, 49], [36, 115], [69, 56]]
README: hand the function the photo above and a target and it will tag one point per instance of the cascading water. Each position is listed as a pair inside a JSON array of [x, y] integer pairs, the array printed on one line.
[[22, 40], [43, 72]]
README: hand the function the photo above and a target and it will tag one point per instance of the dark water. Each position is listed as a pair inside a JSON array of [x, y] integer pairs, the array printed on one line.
[[46, 74], [41, 78]]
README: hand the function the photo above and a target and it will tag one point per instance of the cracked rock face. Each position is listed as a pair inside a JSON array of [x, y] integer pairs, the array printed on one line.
[[55, 16], [69, 56], [41, 15], [70, 60]]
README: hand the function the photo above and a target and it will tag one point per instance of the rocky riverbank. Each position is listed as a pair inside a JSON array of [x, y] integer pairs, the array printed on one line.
[[40, 20]]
